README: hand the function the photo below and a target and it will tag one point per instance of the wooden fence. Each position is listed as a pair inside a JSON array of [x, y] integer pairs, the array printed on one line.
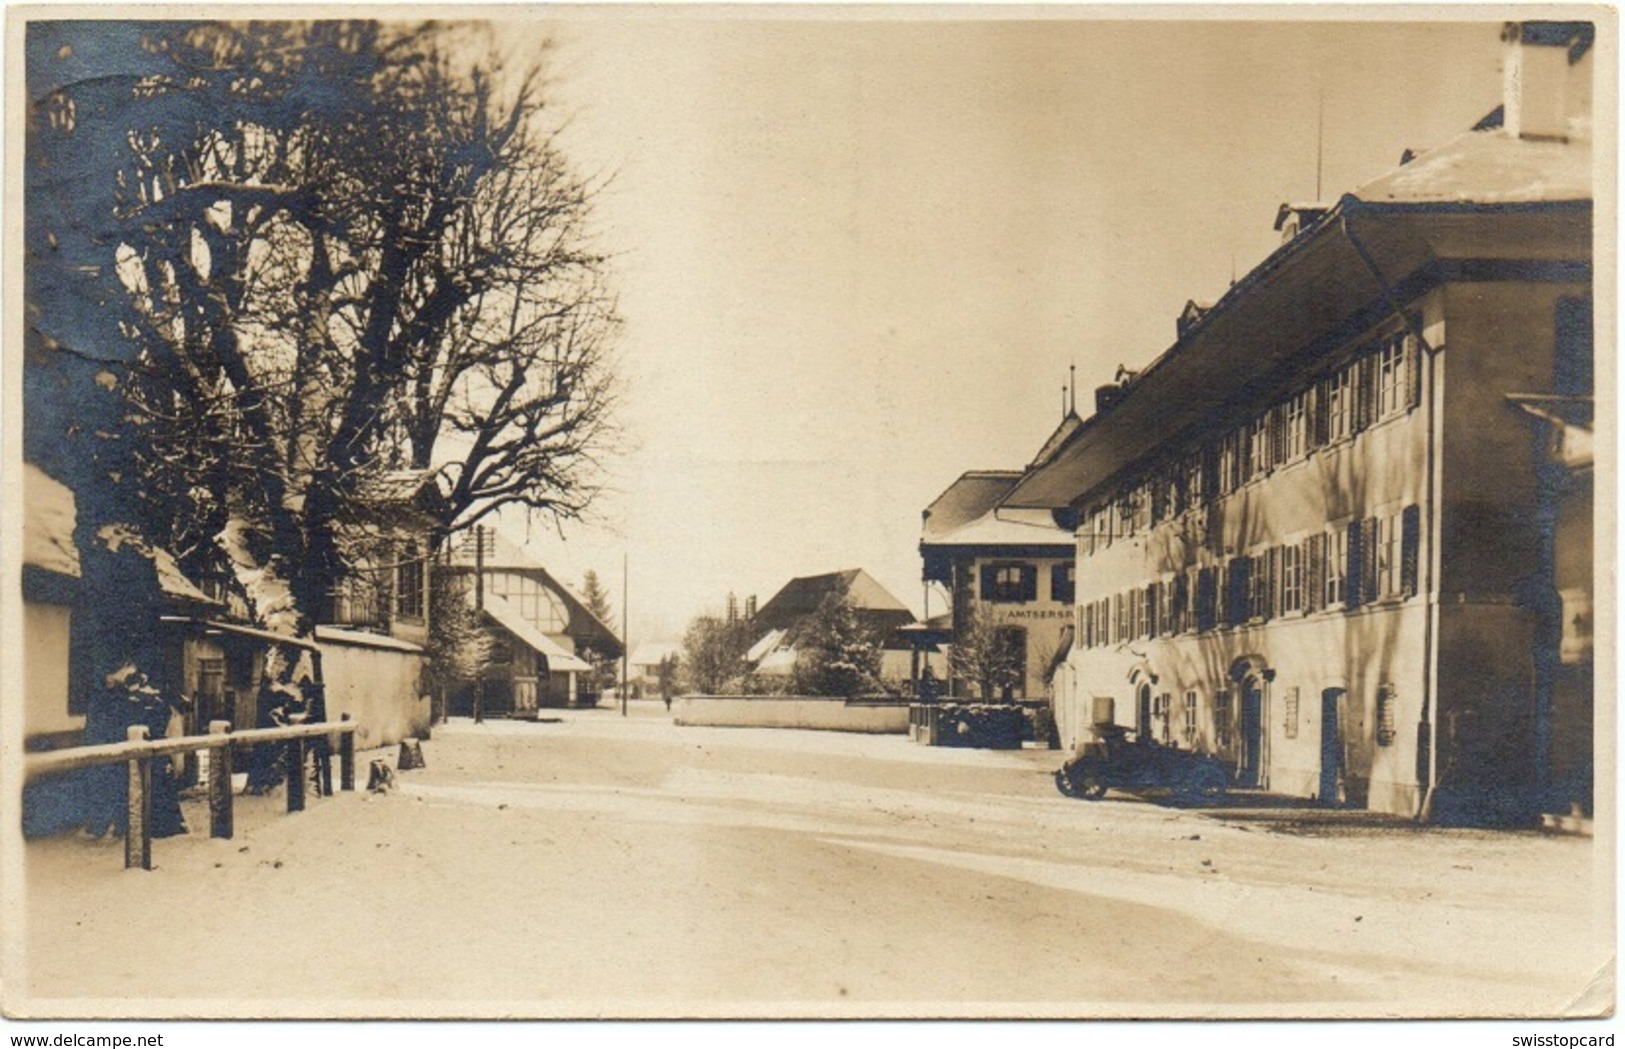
[[139, 751]]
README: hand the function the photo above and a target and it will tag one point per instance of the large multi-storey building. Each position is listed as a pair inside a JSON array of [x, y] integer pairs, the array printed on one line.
[[1315, 536]]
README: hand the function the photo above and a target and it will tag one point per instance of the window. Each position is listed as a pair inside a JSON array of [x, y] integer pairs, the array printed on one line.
[[409, 580], [1140, 501], [1222, 715], [1194, 489], [1061, 588], [1119, 619], [1146, 604], [1387, 556], [1258, 447], [1291, 579], [1336, 579], [1230, 462], [1010, 583], [1295, 426], [1392, 376], [1188, 729], [535, 602], [1338, 392], [1170, 606], [1260, 580]]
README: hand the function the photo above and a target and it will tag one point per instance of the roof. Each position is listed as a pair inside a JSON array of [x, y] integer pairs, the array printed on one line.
[[765, 644], [1483, 196], [800, 597], [1063, 433], [650, 653], [508, 617], [49, 514], [993, 530], [171, 580], [1488, 167], [414, 490], [974, 494], [359, 638], [500, 552], [503, 554]]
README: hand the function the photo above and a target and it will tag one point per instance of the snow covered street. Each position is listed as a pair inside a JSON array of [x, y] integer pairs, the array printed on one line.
[[601, 866]]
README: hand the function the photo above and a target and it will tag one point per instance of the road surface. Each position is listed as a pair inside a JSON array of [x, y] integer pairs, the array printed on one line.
[[608, 866]]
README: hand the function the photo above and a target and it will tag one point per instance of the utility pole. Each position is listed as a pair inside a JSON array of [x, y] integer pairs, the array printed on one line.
[[625, 644], [479, 606]]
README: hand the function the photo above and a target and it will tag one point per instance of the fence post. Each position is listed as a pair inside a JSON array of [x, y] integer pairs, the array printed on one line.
[[296, 774], [138, 812], [220, 824], [346, 757]]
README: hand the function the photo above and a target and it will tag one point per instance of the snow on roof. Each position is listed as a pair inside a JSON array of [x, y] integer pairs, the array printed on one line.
[[972, 495], [1488, 167], [780, 662], [650, 653], [171, 580], [765, 644], [993, 530], [508, 617], [49, 514]]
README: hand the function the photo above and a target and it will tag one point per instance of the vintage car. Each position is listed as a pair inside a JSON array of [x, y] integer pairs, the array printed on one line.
[[1115, 760]]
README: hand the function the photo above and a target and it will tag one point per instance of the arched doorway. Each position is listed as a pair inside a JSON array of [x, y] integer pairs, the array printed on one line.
[[1253, 678]]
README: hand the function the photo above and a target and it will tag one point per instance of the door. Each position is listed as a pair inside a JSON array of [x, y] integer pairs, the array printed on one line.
[[1142, 714], [1331, 747], [1252, 735]]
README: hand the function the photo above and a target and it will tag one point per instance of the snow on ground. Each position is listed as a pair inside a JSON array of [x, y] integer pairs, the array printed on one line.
[[600, 865]]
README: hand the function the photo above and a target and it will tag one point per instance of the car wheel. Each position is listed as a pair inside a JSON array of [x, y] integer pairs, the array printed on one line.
[[1064, 784], [1091, 783]]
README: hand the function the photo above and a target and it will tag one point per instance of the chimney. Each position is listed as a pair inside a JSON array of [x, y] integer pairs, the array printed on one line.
[[1106, 397], [1535, 76]]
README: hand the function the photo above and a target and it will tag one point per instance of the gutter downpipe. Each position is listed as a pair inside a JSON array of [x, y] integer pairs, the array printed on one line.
[[1430, 590]]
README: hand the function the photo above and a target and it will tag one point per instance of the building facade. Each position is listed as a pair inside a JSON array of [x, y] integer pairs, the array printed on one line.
[[1006, 573], [1315, 535], [544, 634]]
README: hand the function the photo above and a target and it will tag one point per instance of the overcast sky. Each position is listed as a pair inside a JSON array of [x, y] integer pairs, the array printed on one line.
[[858, 256]]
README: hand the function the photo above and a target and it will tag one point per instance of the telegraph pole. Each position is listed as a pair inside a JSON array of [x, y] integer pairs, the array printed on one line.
[[479, 606], [625, 590]]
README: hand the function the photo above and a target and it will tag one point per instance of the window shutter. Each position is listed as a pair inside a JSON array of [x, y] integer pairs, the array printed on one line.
[[1319, 426], [1029, 582], [1314, 572], [1410, 536], [1413, 371], [1365, 395], [1153, 609], [1204, 599], [1352, 585], [1236, 599], [990, 582], [1272, 586], [1178, 615], [1371, 586]]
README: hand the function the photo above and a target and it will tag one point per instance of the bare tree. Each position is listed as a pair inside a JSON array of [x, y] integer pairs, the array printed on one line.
[[337, 248], [983, 655]]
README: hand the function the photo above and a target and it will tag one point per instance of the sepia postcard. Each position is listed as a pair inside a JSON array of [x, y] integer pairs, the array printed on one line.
[[811, 513]]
